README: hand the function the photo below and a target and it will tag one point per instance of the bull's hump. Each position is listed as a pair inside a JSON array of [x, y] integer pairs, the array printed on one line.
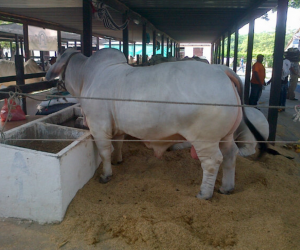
[[109, 56]]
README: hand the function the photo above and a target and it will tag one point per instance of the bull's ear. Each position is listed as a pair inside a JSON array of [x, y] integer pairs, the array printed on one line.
[[55, 70], [58, 67]]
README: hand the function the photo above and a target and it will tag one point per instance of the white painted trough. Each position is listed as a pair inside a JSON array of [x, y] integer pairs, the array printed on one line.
[[39, 178]]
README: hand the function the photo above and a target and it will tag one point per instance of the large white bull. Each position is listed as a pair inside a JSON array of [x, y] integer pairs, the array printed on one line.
[[210, 129], [8, 68]]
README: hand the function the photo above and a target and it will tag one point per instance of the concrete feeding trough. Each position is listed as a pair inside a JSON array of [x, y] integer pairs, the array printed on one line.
[[39, 178]]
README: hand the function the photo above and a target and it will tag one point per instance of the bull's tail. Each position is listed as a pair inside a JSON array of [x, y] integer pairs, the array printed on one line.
[[263, 146]]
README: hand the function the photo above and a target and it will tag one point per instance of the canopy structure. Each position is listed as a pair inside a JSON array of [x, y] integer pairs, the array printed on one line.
[[182, 21]]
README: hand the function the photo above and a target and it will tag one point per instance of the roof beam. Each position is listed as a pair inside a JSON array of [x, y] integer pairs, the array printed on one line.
[[120, 7]]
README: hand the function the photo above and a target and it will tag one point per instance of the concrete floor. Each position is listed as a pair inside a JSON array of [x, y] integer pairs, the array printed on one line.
[[285, 119]]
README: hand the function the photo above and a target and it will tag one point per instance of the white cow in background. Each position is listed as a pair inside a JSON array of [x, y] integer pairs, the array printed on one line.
[[195, 58], [210, 129], [245, 140], [7, 68], [157, 59]]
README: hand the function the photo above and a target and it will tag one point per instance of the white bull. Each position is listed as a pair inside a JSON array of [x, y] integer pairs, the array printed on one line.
[[8, 68], [195, 58], [157, 59], [210, 129]]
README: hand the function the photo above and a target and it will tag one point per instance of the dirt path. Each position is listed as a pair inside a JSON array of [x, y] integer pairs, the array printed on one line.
[[151, 204]]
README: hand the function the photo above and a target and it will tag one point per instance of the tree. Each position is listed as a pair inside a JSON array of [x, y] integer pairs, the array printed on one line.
[[6, 44], [294, 4], [263, 44]]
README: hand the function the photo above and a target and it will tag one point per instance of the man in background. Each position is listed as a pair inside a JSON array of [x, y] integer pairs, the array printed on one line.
[[286, 65], [257, 80], [293, 80], [241, 64]]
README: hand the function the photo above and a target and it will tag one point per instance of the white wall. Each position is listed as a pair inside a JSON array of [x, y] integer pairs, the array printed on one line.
[[188, 48]]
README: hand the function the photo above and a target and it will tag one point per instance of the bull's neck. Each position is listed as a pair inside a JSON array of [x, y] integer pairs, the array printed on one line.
[[74, 75]]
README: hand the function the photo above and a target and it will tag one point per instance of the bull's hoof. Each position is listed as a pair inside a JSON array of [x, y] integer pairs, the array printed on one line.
[[230, 191], [104, 179], [203, 197]]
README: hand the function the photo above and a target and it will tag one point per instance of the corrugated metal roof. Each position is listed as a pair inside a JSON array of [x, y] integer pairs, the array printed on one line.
[[182, 20]]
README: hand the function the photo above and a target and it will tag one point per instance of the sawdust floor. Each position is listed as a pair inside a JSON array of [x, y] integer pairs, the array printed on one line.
[[150, 204]]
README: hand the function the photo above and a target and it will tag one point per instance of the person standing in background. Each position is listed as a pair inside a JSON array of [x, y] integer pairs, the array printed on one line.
[[286, 65], [293, 80], [257, 80], [241, 64]]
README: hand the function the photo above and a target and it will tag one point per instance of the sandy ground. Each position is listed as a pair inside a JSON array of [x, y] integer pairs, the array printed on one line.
[[150, 204]]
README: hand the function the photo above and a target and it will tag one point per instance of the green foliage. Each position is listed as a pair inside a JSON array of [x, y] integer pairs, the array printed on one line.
[[5, 44], [294, 4], [263, 44]]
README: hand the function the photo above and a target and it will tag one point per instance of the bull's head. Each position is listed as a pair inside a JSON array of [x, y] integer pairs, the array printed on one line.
[[58, 68]]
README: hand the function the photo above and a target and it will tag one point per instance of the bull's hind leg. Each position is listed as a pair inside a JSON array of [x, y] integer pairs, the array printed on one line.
[[210, 157], [104, 147], [229, 151], [117, 154]]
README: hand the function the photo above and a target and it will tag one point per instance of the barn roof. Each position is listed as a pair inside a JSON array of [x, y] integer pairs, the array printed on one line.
[[183, 21]]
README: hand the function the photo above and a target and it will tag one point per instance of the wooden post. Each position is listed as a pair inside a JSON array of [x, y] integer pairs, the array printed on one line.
[[42, 59], [223, 49], [154, 42], [167, 47], [21, 46], [87, 28], [11, 50], [59, 42], [219, 52], [97, 43], [26, 42], [211, 53], [19, 64], [216, 53], [249, 62], [236, 44], [125, 38], [144, 59], [228, 49], [277, 66], [17, 45], [162, 45]]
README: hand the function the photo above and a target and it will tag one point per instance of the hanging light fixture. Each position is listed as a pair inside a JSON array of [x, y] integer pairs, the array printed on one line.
[[136, 21]]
